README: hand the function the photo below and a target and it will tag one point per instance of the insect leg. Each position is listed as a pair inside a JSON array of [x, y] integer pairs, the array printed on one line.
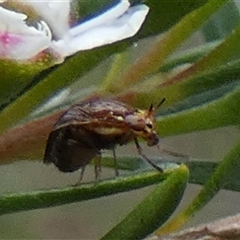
[[97, 167], [81, 176], [115, 162], [144, 157]]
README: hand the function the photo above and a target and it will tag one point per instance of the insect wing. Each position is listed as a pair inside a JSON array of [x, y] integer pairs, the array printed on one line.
[[85, 129], [95, 113], [67, 153], [76, 115]]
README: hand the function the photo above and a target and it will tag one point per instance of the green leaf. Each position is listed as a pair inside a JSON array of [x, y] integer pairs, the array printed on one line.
[[16, 202], [187, 56], [154, 210]]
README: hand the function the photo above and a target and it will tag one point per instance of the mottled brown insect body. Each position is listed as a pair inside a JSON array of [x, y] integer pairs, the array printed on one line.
[[90, 126]]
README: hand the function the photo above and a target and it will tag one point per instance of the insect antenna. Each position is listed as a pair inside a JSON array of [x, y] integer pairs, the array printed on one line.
[[173, 154], [144, 157], [153, 109], [160, 103]]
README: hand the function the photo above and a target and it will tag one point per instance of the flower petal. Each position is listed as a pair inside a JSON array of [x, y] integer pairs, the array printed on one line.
[[17, 39], [109, 15], [56, 13], [90, 35]]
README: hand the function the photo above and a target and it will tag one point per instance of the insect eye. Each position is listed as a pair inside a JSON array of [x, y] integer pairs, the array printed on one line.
[[149, 125]]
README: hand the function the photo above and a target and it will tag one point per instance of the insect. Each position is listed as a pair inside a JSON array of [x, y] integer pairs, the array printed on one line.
[[90, 126]]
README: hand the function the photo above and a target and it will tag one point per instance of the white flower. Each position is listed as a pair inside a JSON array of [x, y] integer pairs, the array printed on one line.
[[30, 28]]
